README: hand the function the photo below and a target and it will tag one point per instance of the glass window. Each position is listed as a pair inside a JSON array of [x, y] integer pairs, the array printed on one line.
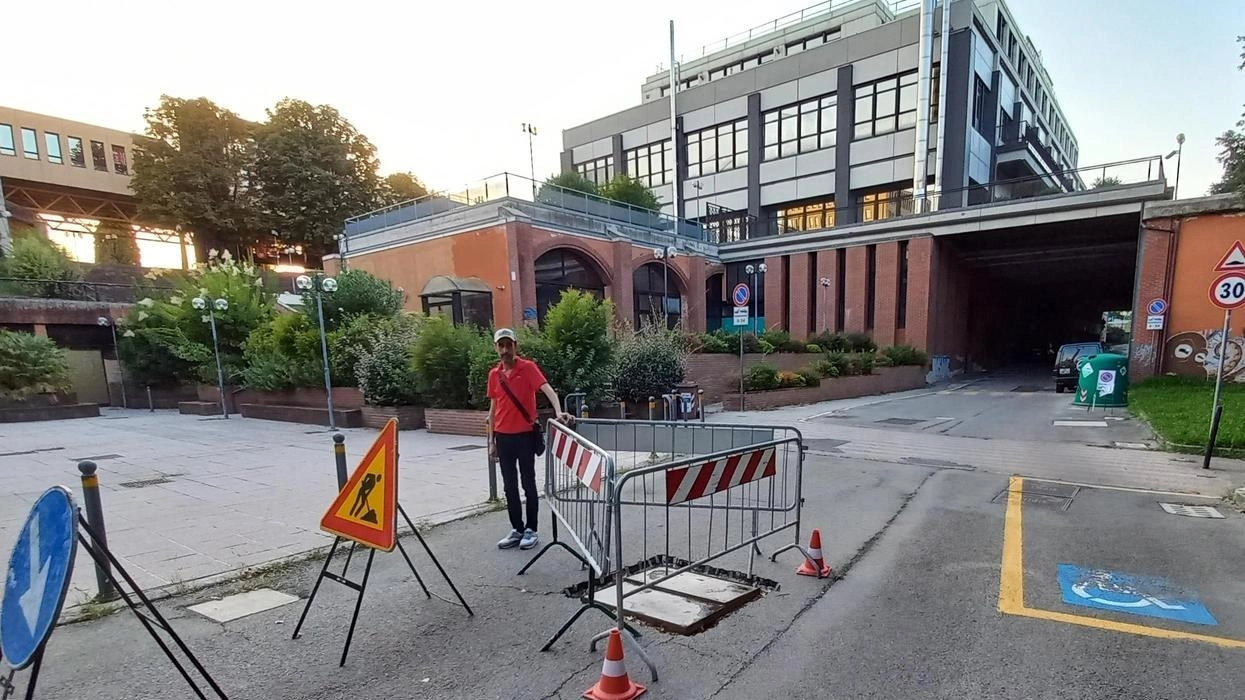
[[30, 143], [53, 143], [886, 105], [7, 146], [876, 206], [800, 128], [808, 216], [650, 163], [119, 162], [717, 148], [77, 157], [979, 104], [99, 157], [598, 171]]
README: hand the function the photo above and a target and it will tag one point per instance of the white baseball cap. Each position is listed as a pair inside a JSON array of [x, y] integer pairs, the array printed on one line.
[[504, 333]]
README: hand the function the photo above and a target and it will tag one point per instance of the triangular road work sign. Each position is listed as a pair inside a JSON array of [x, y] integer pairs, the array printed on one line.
[[366, 509], [1234, 261]]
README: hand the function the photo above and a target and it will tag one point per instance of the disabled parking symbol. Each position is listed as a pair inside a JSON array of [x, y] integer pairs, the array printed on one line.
[[1148, 596]]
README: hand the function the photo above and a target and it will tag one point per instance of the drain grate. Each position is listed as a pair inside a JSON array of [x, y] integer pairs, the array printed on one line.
[[95, 458], [145, 483], [900, 421], [1192, 511], [466, 448]]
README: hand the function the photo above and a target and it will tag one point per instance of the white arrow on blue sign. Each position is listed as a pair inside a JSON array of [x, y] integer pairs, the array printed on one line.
[[38, 577]]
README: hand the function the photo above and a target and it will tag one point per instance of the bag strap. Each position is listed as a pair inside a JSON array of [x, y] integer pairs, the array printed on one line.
[[513, 399]]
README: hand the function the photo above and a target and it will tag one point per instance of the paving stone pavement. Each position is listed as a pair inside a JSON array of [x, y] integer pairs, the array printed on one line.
[[188, 498]]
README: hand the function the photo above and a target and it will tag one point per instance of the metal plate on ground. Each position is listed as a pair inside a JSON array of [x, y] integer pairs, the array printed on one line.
[[1060, 503], [1027, 388], [900, 421], [243, 604], [145, 483], [1192, 511], [685, 604], [1051, 488], [466, 448]]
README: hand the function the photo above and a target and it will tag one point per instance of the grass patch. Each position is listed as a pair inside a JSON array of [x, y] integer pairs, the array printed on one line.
[[1178, 408]]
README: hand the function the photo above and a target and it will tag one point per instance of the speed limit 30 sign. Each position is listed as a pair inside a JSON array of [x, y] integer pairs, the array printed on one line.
[[1228, 290]]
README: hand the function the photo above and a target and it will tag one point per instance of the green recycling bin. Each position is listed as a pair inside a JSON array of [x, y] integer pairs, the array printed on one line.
[[1103, 381]]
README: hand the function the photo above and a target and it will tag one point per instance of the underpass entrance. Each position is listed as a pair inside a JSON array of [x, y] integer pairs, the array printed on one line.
[[1033, 288]]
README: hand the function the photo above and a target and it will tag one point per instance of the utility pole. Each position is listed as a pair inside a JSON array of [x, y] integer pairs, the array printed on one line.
[[530, 130]]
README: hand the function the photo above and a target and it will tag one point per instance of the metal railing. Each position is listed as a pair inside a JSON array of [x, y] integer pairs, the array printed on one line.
[[518, 187], [74, 290], [893, 7]]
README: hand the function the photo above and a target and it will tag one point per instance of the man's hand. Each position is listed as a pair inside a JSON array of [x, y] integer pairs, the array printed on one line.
[[566, 418], [492, 451]]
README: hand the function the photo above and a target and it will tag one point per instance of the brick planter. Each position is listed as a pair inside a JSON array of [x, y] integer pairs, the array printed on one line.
[[884, 380], [456, 422], [718, 374], [409, 417]]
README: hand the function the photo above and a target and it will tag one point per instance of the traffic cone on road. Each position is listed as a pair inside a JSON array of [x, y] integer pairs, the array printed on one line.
[[814, 552], [615, 684]]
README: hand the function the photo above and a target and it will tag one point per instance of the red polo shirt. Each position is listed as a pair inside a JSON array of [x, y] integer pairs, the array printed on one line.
[[524, 380]]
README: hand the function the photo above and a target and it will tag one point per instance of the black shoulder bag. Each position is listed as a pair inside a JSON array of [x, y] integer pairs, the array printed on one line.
[[537, 435]]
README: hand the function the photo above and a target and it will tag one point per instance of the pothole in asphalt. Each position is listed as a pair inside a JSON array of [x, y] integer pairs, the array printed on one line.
[[466, 448], [686, 603], [932, 462]]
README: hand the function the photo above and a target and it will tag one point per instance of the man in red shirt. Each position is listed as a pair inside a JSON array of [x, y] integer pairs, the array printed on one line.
[[512, 387]]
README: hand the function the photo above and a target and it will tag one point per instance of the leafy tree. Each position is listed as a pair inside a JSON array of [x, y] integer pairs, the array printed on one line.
[[400, 187], [1232, 150], [441, 361], [194, 170], [384, 369], [571, 180], [168, 341], [575, 349], [313, 169], [630, 191], [648, 364], [358, 292], [41, 267], [30, 365], [115, 243], [1106, 181]]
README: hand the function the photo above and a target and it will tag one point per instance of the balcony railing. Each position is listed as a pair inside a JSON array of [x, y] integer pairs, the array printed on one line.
[[23, 288], [517, 187]]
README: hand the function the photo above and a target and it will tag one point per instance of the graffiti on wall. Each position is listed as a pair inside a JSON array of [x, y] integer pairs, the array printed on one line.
[[1197, 354]]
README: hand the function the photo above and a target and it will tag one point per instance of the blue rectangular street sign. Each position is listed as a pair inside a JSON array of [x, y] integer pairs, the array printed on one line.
[[1148, 596]]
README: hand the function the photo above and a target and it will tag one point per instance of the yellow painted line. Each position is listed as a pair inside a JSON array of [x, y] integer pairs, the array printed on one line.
[[1012, 586]]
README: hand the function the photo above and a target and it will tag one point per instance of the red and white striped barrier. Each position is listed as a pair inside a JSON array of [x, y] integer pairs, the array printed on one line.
[[698, 480], [586, 464]]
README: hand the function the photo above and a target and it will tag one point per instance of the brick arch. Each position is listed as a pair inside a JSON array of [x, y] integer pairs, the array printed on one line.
[[679, 277], [594, 260]]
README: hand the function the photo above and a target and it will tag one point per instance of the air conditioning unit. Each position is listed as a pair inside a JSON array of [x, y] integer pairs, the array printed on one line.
[[780, 51]]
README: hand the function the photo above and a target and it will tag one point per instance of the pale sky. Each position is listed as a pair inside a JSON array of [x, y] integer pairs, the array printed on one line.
[[441, 88]]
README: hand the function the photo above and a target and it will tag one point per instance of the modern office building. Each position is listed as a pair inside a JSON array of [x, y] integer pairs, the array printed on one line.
[[67, 176], [796, 147], [812, 120]]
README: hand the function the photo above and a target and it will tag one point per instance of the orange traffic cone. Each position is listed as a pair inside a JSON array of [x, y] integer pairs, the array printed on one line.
[[814, 551], [615, 684]]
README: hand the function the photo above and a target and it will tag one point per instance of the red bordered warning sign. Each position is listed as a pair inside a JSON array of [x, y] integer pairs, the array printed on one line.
[[366, 509], [1233, 260]]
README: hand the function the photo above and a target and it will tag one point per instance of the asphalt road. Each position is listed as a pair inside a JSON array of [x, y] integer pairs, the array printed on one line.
[[925, 558], [1013, 405]]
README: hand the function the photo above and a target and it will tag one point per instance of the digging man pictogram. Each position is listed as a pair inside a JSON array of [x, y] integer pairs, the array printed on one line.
[[360, 502]]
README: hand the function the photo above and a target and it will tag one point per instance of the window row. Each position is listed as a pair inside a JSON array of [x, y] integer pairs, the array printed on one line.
[[753, 61], [1029, 75], [800, 128], [651, 164], [808, 216], [717, 148], [54, 154], [599, 171]]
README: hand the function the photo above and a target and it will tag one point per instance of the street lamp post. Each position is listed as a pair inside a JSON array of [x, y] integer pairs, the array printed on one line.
[[530, 130], [1178, 153], [111, 324], [319, 286], [825, 300], [754, 271], [202, 303]]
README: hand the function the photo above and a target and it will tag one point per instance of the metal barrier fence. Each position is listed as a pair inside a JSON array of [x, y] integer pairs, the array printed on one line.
[[686, 494], [579, 478]]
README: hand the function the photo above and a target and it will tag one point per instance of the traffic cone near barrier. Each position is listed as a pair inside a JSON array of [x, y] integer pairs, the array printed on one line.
[[615, 684], [814, 551]]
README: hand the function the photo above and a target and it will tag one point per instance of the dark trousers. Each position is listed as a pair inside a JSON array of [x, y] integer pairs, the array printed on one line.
[[517, 461]]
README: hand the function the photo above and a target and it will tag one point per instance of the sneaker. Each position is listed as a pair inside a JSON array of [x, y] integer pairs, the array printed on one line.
[[530, 539], [512, 540]]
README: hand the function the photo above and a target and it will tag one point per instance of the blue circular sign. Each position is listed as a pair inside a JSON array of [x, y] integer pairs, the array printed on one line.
[[741, 294], [1158, 307], [38, 577]]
